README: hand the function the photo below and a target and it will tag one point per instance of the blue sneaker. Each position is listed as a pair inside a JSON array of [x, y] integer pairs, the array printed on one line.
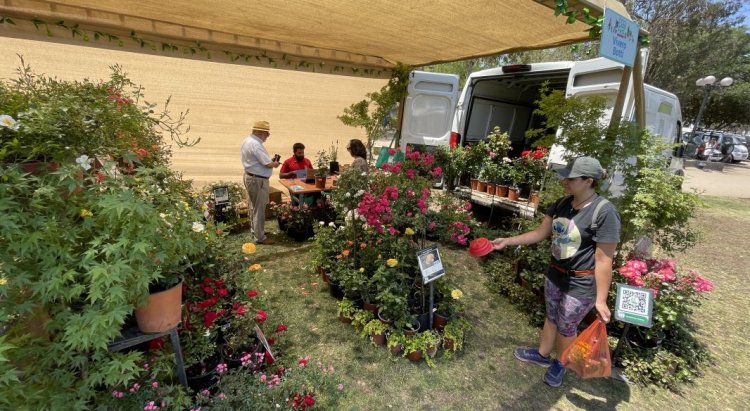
[[532, 355], [554, 376]]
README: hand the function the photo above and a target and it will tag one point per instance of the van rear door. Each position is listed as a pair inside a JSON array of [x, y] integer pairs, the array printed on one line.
[[599, 76], [429, 109]]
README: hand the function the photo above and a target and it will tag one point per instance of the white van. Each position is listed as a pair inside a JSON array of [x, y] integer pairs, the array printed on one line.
[[435, 114]]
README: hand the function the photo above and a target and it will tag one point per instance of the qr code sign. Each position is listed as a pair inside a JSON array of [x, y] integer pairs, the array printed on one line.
[[635, 301]]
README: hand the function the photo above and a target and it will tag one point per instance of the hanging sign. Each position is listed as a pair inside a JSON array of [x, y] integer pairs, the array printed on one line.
[[634, 305], [430, 264], [619, 40]]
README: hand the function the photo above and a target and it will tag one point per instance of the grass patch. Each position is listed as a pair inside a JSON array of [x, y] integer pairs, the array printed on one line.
[[485, 374]]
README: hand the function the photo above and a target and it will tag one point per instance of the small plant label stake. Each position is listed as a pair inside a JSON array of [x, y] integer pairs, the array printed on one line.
[[431, 267], [263, 340], [634, 305]]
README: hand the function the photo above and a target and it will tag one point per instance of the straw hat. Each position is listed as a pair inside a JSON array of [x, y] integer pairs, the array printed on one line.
[[262, 126]]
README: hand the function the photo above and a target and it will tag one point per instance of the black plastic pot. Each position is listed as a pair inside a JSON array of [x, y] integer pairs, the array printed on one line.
[[300, 234], [333, 167], [203, 376], [335, 291], [424, 321]]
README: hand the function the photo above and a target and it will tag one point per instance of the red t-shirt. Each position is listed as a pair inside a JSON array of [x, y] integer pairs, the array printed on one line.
[[291, 164]]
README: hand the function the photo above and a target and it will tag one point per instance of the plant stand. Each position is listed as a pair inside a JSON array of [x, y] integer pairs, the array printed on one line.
[[130, 335]]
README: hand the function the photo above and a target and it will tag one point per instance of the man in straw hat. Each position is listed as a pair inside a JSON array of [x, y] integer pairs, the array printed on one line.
[[258, 167]]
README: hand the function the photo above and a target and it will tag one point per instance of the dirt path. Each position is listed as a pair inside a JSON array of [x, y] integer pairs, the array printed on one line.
[[732, 182]]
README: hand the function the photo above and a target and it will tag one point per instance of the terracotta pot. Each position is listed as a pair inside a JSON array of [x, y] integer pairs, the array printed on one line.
[[320, 182], [384, 320], [345, 320], [491, 188], [378, 339], [38, 167], [439, 322], [474, 184], [534, 197], [415, 356], [501, 190], [162, 312], [412, 331], [324, 275], [482, 186], [373, 308], [396, 350], [513, 193], [448, 343]]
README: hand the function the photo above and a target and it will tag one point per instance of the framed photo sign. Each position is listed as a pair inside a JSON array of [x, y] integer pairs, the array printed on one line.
[[430, 264]]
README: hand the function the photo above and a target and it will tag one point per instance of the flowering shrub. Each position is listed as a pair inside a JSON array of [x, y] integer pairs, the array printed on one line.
[[531, 166], [301, 386], [227, 213], [675, 294], [149, 389]]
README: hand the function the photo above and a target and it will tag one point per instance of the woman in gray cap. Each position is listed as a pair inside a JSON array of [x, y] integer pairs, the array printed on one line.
[[585, 230]]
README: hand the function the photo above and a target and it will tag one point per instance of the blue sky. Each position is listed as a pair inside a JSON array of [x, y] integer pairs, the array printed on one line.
[[746, 12]]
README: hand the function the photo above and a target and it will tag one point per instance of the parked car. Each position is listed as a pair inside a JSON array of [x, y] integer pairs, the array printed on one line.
[[734, 148], [744, 140], [696, 147]]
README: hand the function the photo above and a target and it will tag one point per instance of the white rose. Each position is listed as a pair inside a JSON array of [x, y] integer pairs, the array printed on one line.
[[198, 227], [83, 161], [8, 122]]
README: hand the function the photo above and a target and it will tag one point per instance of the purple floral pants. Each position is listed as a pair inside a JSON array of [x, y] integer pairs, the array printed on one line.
[[564, 311]]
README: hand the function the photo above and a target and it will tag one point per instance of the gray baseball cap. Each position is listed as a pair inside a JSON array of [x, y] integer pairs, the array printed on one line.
[[582, 167]]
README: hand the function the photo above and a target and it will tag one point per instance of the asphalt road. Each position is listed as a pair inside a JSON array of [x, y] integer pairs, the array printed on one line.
[[733, 181]]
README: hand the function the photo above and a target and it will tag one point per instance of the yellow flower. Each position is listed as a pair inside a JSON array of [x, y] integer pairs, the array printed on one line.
[[86, 213], [409, 231], [391, 262], [248, 248], [362, 270], [255, 267], [3, 281], [456, 294]]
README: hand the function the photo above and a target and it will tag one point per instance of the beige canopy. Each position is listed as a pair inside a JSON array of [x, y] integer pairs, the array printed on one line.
[[365, 36]]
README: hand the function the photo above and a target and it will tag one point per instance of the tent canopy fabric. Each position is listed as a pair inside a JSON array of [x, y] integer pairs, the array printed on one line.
[[374, 34]]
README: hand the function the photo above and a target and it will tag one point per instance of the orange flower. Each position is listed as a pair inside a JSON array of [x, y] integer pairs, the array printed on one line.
[[255, 267], [345, 253]]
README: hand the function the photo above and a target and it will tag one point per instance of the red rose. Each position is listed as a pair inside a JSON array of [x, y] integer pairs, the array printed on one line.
[[239, 309], [309, 401], [208, 290], [302, 362], [223, 292], [219, 282], [209, 318], [261, 316], [252, 293], [271, 341], [156, 344], [281, 328], [207, 280]]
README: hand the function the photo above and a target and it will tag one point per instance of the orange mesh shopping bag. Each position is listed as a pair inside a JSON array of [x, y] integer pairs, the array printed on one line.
[[588, 356]]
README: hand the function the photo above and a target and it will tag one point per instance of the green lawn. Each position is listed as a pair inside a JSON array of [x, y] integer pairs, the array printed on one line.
[[485, 375]]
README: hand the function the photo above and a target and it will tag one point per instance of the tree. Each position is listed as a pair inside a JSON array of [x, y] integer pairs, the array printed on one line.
[[691, 39]]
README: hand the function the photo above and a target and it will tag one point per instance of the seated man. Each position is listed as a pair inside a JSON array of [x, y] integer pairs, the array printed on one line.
[[296, 163]]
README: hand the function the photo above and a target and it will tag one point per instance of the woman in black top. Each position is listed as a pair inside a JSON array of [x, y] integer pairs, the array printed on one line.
[[585, 230]]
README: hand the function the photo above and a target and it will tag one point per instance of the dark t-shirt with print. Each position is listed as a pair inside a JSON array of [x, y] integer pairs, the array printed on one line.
[[574, 242]]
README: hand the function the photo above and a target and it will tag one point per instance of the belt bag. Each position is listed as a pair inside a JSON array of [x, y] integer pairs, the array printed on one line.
[[572, 273]]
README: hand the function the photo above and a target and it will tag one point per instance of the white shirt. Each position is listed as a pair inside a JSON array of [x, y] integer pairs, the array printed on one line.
[[255, 157]]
